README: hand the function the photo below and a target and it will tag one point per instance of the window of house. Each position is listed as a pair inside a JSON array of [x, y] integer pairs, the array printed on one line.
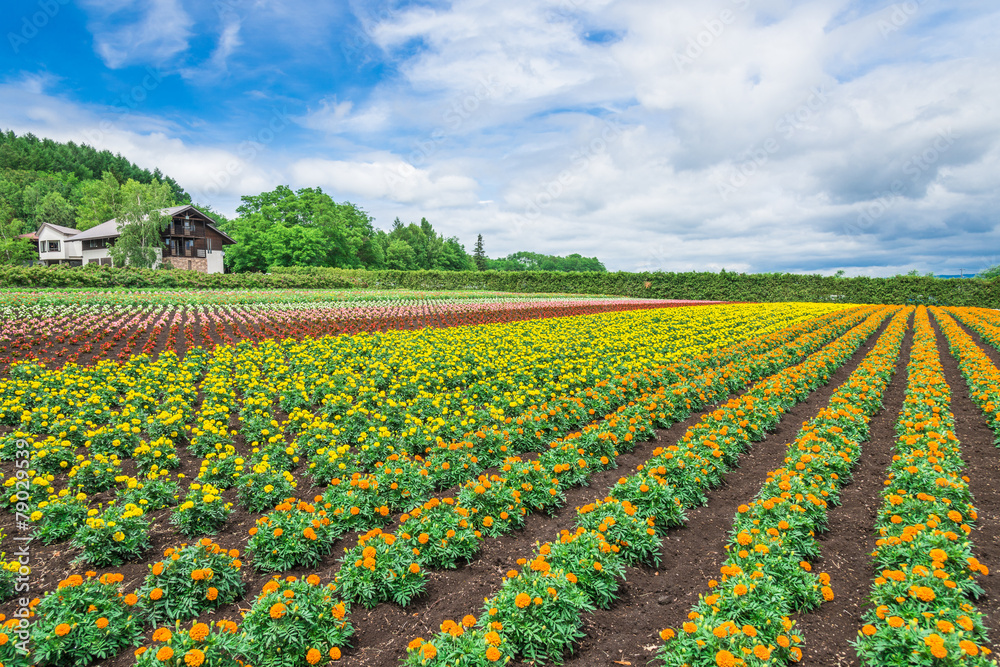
[[53, 246], [94, 243]]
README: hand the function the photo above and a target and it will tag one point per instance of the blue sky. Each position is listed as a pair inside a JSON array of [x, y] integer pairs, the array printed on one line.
[[754, 135]]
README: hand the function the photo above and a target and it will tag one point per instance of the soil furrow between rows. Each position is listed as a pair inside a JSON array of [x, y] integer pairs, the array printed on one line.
[[846, 546], [982, 461], [651, 599]]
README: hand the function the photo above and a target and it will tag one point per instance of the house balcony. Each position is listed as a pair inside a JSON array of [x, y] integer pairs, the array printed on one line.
[[185, 252], [185, 231]]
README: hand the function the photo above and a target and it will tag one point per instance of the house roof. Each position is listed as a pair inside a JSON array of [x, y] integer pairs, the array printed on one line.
[[67, 231], [109, 229], [104, 230]]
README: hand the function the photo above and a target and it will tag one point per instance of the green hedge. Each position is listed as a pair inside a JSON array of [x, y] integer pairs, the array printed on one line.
[[708, 286]]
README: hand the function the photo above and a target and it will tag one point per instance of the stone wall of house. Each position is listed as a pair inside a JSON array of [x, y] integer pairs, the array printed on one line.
[[199, 264]]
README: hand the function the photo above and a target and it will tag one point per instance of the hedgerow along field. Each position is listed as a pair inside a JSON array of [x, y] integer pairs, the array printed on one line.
[[714, 485]]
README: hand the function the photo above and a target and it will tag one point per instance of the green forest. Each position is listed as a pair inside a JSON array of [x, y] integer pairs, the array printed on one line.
[[77, 186]]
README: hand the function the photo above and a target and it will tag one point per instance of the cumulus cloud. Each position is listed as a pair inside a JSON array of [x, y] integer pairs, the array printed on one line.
[[765, 135], [387, 179]]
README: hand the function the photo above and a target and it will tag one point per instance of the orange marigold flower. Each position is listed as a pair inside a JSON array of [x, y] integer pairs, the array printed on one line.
[[428, 651], [469, 620], [725, 659], [227, 626], [101, 623], [156, 594], [968, 647], [194, 658], [761, 652], [313, 656], [414, 568], [492, 654], [334, 653], [894, 622], [666, 634], [164, 654], [162, 635], [198, 632], [313, 580], [277, 610], [62, 630], [522, 600], [212, 593], [868, 630], [158, 569]]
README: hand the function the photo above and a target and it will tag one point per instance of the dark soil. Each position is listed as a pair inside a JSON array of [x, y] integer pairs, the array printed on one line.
[[650, 599], [381, 634], [982, 459], [846, 547], [653, 599]]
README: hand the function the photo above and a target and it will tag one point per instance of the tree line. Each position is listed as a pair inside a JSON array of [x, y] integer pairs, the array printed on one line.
[[79, 187]]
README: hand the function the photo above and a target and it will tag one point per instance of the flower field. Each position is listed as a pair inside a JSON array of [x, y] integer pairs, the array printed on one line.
[[86, 326], [388, 479]]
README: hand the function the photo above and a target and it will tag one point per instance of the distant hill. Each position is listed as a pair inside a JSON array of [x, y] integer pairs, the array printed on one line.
[[42, 180]]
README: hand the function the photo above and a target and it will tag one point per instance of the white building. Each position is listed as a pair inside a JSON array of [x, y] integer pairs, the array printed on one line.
[[55, 245], [191, 239]]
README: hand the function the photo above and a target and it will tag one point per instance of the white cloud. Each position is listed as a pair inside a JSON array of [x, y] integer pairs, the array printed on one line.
[[754, 135], [820, 109], [335, 117], [389, 179], [157, 34], [217, 64], [216, 175]]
